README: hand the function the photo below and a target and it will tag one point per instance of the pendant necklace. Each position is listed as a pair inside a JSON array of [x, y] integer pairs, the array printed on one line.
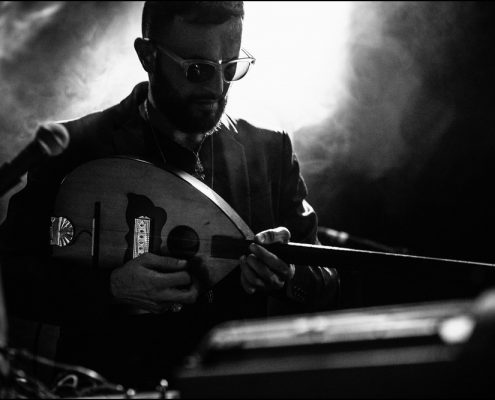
[[199, 172]]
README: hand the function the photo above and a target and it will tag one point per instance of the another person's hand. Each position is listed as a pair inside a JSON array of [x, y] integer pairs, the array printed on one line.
[[154, 283], [263, 270]]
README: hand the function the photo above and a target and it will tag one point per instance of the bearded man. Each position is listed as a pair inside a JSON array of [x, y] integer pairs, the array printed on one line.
[[192, 54]]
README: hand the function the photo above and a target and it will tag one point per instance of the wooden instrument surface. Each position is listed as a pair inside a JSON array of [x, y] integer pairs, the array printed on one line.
[[102, 199]]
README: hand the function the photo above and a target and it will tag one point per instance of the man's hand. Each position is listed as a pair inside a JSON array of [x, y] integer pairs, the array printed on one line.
[[262, 270], [154, 283]]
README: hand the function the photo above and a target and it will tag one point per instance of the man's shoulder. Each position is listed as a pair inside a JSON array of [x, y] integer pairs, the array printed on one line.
[[94, 127], [100, 124], [88, 137], [85, 125], [246, 131], [95, 135]]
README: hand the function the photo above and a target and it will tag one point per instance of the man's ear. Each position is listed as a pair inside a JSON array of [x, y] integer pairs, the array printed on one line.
[[146, 53]]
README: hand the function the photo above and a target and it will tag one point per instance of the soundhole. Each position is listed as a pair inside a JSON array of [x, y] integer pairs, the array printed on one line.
[[183, 242]]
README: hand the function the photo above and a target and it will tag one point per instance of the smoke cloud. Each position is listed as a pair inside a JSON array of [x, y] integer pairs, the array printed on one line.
[[61, 60], [395, 162], [393, 46]]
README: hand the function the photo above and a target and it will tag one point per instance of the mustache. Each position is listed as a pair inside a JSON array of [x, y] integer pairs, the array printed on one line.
[[206, 98]]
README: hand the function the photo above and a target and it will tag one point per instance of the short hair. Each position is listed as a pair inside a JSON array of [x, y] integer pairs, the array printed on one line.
[[157, 15]]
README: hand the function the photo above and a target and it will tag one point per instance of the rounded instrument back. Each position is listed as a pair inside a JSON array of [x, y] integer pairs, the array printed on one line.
[[110, 210]]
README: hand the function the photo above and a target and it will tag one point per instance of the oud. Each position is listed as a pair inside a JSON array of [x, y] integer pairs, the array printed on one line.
[[110, 210]]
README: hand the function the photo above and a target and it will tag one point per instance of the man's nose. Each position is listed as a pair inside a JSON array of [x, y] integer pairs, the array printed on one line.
[[216, 84]]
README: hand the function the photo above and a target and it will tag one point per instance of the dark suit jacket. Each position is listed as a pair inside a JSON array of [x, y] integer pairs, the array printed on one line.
[[253, 169]]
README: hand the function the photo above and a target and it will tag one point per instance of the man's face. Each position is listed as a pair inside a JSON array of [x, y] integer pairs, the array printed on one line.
[[194, 107]]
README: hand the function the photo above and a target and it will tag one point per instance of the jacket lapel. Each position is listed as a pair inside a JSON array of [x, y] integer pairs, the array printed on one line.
[[231, 173]]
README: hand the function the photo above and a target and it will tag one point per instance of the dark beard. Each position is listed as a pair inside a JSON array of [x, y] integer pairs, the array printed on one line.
[[178, 109]]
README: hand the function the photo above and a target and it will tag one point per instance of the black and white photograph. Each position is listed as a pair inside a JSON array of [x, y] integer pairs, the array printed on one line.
[[247, 199]]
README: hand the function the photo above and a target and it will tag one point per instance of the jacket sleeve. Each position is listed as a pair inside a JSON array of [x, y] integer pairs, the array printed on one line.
[[37, 287], [313, 288]]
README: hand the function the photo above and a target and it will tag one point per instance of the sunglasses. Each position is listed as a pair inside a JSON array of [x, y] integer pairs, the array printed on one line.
[[200, 71]]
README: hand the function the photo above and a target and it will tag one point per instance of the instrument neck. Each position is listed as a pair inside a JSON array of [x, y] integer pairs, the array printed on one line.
[[338, 257]]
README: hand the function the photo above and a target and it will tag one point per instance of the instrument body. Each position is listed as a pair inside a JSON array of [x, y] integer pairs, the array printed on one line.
[[110, 202]]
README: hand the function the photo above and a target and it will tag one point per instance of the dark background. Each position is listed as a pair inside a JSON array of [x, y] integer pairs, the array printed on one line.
[[429, 186]]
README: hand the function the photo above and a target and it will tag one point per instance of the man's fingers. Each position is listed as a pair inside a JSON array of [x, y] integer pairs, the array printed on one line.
[[150, 281], [276, 235], [249, 280], [161, 263], [266, 274], [171, 279], [248, 288], [246, 285], [259, 276], [271, 260]]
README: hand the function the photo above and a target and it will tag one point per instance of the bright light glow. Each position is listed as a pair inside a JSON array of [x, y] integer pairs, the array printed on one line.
[[21, 28], [301, 51], [112, 69]]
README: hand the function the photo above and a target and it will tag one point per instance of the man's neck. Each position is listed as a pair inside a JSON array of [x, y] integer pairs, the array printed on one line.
[[162, 125], [188, 140]]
